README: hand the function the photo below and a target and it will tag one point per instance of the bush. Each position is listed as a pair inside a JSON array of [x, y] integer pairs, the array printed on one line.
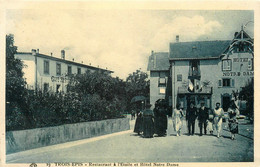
[[51, 109]]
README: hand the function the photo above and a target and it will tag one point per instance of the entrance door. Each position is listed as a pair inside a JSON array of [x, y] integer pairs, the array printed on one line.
[[225, 102], [190, 99]]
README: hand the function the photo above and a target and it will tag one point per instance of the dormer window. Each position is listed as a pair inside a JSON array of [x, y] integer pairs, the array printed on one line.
[[226, 65]]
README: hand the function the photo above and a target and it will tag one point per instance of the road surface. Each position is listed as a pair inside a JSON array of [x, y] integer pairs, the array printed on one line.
[[128, 147]]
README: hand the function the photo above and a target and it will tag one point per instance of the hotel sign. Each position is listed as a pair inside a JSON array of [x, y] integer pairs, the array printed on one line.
[[61, 79], [232, 74]]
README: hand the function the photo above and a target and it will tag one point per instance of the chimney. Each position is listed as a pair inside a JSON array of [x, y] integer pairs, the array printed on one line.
[[33, 52], [51, 54], [177, 38], [37, 51], [73, 59], [152, 52], [63, 54]]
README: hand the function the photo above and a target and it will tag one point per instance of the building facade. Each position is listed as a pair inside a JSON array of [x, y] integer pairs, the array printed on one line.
[[209, 71], [47, 73]]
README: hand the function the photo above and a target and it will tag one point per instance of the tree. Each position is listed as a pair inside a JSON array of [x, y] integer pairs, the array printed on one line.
[[247, 94], [99, 92], [15, 83], [137, 84], [16, 114]]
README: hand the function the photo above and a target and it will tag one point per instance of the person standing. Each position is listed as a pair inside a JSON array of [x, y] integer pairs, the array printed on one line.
[[177, 119], [138, 123], [160, 118], [191, 115], [203, 115], [148, 122], [218, 115], [211, 121], [233, 113]]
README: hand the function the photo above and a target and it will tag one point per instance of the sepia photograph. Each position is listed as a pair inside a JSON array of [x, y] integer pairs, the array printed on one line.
[[94, 85]]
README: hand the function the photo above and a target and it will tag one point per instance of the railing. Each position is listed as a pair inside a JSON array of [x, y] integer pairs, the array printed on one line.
[[194, 73], [203, 90]]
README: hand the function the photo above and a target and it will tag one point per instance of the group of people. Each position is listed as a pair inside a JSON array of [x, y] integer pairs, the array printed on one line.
[[150, 122]]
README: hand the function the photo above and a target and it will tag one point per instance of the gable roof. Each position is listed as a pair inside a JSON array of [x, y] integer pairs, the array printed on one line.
[[197, 50], [65, 61], [158, 61]]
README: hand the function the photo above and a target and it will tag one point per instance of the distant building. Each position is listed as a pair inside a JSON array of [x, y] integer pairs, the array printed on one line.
[[198, 71], [48, 73]]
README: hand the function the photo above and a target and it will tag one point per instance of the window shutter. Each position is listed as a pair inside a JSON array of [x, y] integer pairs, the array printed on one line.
[[220, 83], [233, 83]]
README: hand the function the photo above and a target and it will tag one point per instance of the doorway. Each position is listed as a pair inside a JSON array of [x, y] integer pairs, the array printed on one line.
[[225, 102]]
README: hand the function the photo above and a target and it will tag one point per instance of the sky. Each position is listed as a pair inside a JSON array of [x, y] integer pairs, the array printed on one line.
[[120, 40]]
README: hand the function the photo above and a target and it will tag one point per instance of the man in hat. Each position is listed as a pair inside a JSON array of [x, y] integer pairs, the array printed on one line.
[[191, 115], [148, 122], [203, 115]]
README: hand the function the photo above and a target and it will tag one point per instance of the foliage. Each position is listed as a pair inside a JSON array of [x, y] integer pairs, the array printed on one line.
[[137, 84], [14, 75], [15, 85], [91, 96], [247, 93]]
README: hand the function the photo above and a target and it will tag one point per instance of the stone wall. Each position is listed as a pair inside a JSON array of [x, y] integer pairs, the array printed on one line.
[[33, 138]]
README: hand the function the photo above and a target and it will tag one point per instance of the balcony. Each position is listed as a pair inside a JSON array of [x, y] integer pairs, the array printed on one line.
[[204, 90]]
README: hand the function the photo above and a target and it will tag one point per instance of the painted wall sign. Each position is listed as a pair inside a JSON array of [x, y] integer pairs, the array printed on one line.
[[231, 74], [59, 79], [240, 60]]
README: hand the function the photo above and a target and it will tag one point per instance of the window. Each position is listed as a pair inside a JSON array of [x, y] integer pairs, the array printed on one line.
[[58, 69], [162, 90], [79, 70], [162, 81], [194, 69], [220, 83], [250, 64], [233, 83], [46, 67], [179, 77], [226, 65], [226, 82], [45, 87], [69, 70]]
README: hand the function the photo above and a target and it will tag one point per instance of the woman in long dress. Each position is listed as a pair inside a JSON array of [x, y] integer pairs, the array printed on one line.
[[177, 119], [218, 115], [148, 122], [233, 113], [138, 123]]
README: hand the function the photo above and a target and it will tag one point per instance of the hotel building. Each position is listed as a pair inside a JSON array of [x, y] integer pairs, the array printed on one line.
[[48, 73], [208, 71]]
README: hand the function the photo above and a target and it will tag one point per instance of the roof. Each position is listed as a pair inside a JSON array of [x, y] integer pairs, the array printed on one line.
[[65, 61], [159, 61], [197, 50]]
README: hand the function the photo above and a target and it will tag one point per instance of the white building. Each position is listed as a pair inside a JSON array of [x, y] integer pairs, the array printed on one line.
[[48, 73]]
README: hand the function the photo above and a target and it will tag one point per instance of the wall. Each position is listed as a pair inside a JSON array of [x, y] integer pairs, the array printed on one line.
[[211, 70], [29, 69], [28, 139], [42, 78], [154, 88]]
